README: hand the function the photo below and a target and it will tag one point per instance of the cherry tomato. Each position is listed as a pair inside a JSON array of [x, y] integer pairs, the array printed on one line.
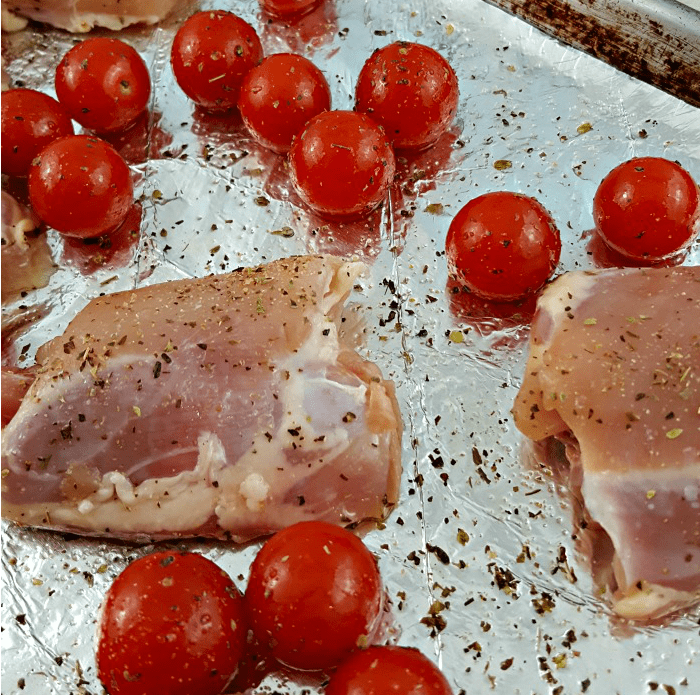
[[647, 208], [503, 246], [172, 622], [314, 595], [342, 164], [411, 90], [30, 121], [80, 186], [388, 670], [279, 96], [103, 84], [211, 53], [288, 8]]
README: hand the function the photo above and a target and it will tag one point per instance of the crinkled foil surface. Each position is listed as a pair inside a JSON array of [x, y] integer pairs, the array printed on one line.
[[479, 558]]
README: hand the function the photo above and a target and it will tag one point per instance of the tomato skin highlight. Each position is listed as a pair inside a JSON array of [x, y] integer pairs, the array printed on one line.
[[172, 622], [411, 91], [80, 186], [103, 84], [388, 670], [314, 594], [211, 54], [30, 121], [342, 164], [647, 208], [279, 97], [503, 246]]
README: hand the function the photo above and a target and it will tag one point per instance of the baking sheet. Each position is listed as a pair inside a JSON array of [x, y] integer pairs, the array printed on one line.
[[653, 40], [478, 558]]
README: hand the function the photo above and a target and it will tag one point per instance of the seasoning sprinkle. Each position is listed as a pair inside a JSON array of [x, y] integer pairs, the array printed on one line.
[[502, 164]]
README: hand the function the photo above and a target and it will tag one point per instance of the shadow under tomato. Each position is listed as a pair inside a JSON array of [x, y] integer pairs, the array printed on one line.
[[362, 237], [260, 668], [486, 315], [605, 257], [416, 175], [217, 126], [17, 187], [259, 665], [143, 140], [225, 141], [416, 172], [299, 34], [114, 250]]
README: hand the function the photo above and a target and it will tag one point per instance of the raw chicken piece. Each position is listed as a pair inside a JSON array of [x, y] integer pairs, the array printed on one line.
[[82, 15], [615, 361], [15, 385], [11, 22], [224, 406], [5, 81], [26, 259]]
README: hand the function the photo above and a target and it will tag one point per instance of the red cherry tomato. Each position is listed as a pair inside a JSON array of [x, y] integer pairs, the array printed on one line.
[[103, 84], [342, 164], [647, 208], [172, 622], [288, 8], [30, 121], [503, 246], [388, 670], [80, 186], [411, 90], [314, 595], [279, 96], [211, 53]]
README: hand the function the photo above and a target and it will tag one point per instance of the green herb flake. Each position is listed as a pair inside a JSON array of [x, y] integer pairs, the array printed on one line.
[[285, 232]]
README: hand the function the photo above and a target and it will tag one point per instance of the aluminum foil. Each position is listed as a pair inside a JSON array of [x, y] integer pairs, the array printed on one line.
[[479, 559]]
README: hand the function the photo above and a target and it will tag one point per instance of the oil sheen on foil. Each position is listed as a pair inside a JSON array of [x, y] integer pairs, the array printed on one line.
[[479, 559]]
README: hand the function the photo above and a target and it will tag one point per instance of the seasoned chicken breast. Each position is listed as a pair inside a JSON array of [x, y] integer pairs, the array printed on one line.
[[26, 258], [82, 15], [614, 362], [223, 406]]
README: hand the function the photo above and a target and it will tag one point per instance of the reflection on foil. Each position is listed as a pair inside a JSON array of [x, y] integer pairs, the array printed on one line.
[[110, 251], [142, 141], [603, 256], [304, 34], [478, 559]]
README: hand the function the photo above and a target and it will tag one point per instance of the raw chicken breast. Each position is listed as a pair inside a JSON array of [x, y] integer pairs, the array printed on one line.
[[615, 361], [83, 15], [224, 406], [26, 258]]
